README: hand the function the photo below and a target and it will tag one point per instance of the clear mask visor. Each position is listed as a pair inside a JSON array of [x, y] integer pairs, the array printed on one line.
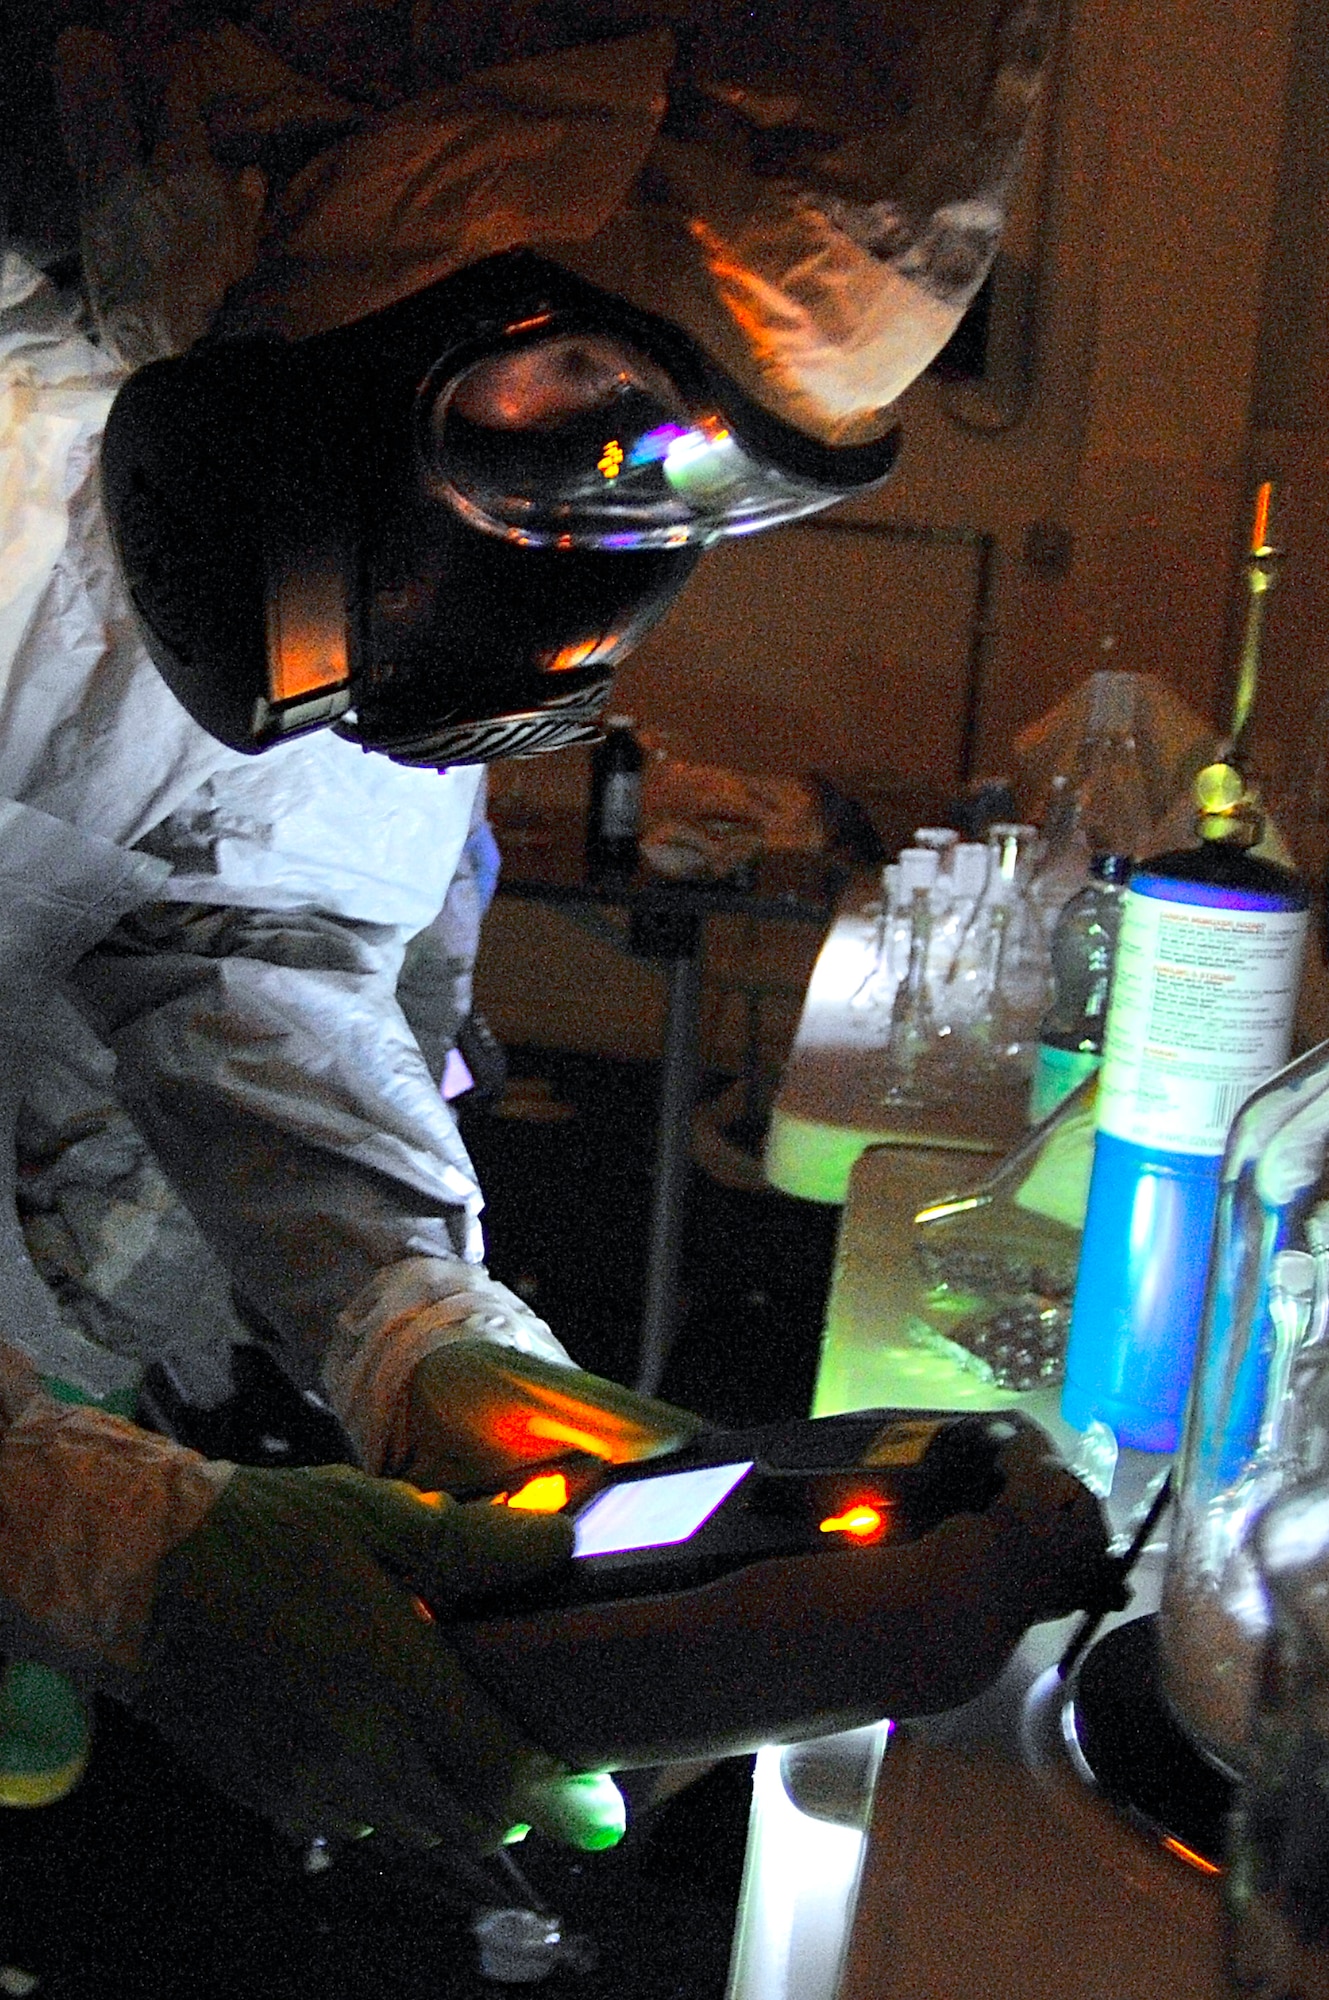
[[582, 442]]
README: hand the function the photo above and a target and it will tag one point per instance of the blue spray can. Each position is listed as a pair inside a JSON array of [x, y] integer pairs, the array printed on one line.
[[1203, 995]]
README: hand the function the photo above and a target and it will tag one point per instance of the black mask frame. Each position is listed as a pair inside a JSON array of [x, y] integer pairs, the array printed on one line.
[[292, 570]]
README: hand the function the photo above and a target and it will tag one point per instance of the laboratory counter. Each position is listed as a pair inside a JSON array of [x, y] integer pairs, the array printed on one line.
[[966, 1853]]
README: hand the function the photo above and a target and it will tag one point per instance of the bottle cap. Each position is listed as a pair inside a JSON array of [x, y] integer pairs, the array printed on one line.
[[969, 868], [918, 869], [1110, 867]]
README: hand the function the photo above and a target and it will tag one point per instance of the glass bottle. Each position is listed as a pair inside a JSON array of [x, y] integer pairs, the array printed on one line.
[[1101, 806], [1011, 953], [957, 958], [613, 816], [911, 1075], [1025, 966], [877, 984], [916, 869], [1070, 1035], [1112, 804], [1258, 1417], [1276, 1886]]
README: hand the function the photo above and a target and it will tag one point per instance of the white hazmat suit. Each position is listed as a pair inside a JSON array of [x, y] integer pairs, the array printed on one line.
[[232, 929]]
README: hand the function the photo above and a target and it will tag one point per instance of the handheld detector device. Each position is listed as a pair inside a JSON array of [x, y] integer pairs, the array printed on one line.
[[786, 1582]]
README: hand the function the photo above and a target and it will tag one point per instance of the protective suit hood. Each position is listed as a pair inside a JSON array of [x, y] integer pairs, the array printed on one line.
[[814, 196]]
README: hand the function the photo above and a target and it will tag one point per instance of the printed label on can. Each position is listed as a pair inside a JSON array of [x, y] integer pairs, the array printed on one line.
[[620, 806], [1200, 1016]]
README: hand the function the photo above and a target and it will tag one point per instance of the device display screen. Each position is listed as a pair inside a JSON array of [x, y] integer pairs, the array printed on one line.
[[651, 1513]]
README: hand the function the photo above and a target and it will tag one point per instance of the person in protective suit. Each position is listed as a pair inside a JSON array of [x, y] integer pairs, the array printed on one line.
[[430, 347]]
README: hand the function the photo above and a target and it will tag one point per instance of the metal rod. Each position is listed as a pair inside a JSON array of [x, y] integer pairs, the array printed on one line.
[[673, 1155], [1089, 1625], [1261, 575]]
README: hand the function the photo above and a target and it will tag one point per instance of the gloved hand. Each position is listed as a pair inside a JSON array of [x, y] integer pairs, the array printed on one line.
[[291, 1655], [444, 1377], [480, 1412]]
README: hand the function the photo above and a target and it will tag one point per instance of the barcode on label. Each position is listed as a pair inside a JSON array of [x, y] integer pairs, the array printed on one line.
[[1228, 1099]]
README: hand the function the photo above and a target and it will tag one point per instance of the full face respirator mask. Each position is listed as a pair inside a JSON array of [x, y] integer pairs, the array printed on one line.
[[439, 529]]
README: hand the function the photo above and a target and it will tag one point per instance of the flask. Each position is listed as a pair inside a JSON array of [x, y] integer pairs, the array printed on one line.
[[916, 869], [1111, 797], [1102, 805], [1275, 1890], [1070, 1035], [1199, 1016], [912, 1037], [1257, 1424], [959, 995], [613, 819], [1012, 956]]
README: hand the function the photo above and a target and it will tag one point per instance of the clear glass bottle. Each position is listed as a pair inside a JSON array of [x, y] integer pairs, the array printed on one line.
[[1257, 1422], [1112, 803], [877, 984], [912, 1072], [916, 869], [1084, 942], [958, 960], [1276, 1885], [1024, 969], [1101, 804]]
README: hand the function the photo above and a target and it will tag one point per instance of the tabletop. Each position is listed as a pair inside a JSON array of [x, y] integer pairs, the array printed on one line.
[[544, 860], [965, 1854], [991, 1867]]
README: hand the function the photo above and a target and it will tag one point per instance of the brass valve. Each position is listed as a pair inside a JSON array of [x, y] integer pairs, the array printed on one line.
[[1226, 810]]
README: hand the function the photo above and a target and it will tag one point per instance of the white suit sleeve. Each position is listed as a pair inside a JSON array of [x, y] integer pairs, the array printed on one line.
[[268, 1064]]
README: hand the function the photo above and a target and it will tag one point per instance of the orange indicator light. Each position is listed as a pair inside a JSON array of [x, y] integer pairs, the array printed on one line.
[[1189, 1856], [861, 1521], [1260, 530], [578, 654], [546, 1493], [610, 461], [559, 1432]]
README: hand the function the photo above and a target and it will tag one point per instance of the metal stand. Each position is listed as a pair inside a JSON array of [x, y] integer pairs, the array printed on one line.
[[664, 930], [666, 922]]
